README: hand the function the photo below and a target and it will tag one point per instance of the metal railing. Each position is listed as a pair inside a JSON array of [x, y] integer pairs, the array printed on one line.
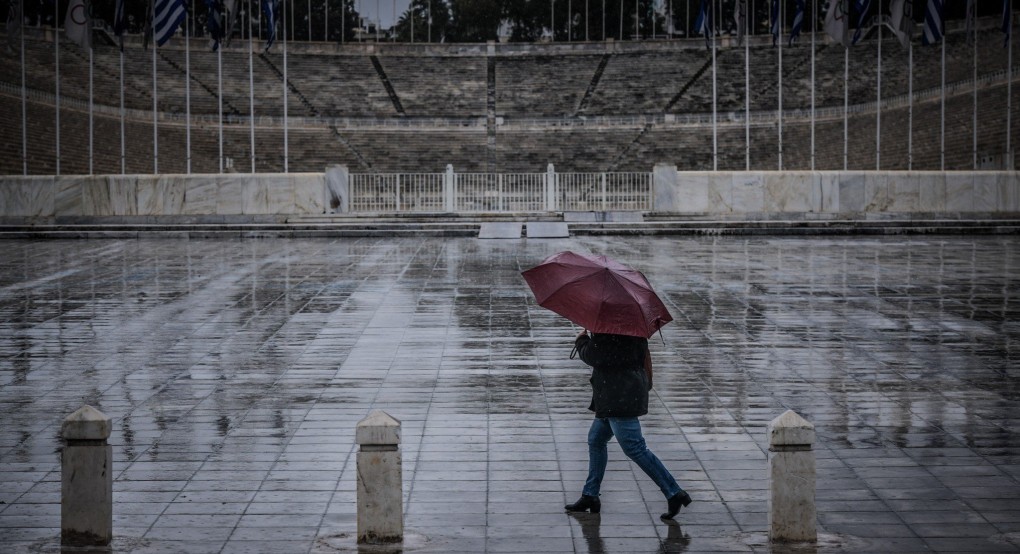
[[500, 192]]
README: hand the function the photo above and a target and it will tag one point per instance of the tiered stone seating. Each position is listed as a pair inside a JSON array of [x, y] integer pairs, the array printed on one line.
[[338, 86], [586, 149], [528, 85], [445, 87], [643, 83], [542, 85], [421, 150]]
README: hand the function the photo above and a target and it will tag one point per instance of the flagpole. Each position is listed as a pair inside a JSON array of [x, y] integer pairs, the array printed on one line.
[[56, 61], [251, 91], [219, 96], [187, 93], [910, 105], [286, 144], [846, 106], [814, 17], [942, 95], [782, 10], [878, 97], [715, 102], [975, 128], [747, 90], [155, 95], [1009, 84], [91, 125], [123, 141]]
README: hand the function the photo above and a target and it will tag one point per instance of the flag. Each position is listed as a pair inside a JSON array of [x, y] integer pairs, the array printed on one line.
[[932, 32], [703, 24], [901, 19], [740, 16], [775, 21], [119, 22], [862, 11], [798, 21], [14, 21], [230, 17], [147, 33], [970, 21], [1007, 22], [270, 8], [168, 16], [77, 24], [837, 23], [214, 22]]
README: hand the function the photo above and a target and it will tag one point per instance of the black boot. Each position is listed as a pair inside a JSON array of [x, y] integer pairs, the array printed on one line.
[[674, 503], [584, 504]]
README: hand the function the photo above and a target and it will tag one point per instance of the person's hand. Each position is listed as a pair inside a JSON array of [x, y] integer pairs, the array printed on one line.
[[583, 333]]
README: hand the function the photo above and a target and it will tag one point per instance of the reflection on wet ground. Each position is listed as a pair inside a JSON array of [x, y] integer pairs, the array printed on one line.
[[235, 372]]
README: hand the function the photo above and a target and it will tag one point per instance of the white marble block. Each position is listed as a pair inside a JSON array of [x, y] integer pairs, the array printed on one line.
[[791, 475], [693, 193], [789, 191], [380, 490], [825, 191], [959, 191], [904, 192], [664, 188], [86, 491], [747, 192]]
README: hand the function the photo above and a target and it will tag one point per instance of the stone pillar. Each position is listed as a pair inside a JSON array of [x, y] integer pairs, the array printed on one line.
[[86, 471], [664, 188], [550, 188], [380, 492], [791, 500], [449, 190], [338, 189]]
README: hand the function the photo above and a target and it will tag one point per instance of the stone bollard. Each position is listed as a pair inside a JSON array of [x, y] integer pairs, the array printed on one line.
[[791, 500], [380, 492], [86, 471]]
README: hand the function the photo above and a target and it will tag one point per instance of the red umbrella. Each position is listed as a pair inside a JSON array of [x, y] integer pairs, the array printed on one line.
[[598, 293]]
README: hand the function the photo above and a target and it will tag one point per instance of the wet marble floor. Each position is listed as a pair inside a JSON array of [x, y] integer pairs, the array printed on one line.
[[235, 372]]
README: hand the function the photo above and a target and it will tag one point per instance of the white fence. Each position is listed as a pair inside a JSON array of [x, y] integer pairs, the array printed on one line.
[[500, 192]]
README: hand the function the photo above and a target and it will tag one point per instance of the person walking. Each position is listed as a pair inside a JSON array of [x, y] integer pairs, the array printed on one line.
[[621, 378]]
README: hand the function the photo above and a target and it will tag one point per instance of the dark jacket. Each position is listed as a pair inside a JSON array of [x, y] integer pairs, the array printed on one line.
[[618, 381]]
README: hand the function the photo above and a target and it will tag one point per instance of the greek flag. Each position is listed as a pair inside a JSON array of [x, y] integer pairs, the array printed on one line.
[[798, 21], [775, 21], [169, 15], [119, 22], [971, 32], [270, 8], [932, 23], [1007, 22], [214, 22], [837, 21], [740, 16], [14, 21], [703, 23], [862, 11]]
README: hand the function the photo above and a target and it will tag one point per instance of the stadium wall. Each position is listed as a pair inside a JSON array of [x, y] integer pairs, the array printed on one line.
[[736, 195]]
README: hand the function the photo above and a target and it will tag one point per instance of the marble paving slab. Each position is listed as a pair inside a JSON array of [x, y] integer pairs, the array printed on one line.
[[500, 230]]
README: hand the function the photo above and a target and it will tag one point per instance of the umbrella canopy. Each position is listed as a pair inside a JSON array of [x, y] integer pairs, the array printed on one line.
[[598, 293]]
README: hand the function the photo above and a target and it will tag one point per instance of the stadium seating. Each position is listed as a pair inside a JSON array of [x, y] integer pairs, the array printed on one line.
[[586, 108]]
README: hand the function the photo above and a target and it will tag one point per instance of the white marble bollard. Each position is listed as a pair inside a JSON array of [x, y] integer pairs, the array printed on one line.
[[86, 491], [380, 492], [791, 500]]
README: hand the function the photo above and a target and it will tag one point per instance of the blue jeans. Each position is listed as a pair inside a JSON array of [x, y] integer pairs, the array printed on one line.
[[628, 434]]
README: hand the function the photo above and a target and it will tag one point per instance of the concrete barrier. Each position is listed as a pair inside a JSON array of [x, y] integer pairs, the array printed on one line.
[[380, 492], [86, 471], [791, 499]]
